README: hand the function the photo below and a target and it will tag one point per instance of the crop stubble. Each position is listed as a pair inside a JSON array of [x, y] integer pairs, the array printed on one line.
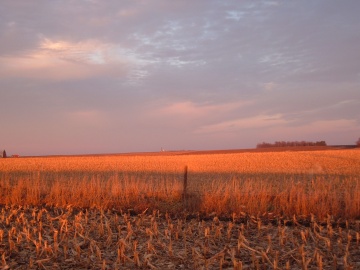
[[285, 210]]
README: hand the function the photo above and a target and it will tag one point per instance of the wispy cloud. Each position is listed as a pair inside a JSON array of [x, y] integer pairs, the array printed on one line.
[[255, 122], [62, 60], [86, 52], [193, 109], [66, 60]]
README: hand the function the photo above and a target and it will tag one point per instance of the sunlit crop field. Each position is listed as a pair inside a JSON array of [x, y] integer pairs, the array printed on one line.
[[284, 183], [336, 162], [254, 210]]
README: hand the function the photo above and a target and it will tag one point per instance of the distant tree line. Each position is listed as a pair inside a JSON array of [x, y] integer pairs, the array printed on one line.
[[290, 144]]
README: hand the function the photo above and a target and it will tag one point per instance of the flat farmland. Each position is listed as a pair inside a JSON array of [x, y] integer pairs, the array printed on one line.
[[236, 210]]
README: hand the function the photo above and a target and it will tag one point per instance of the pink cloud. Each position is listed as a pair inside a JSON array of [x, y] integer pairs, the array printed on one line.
[[259, 121], [190, 108], [61, 60]]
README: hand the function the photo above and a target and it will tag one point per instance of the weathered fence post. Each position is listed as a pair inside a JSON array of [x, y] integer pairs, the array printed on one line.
[[185, 183]]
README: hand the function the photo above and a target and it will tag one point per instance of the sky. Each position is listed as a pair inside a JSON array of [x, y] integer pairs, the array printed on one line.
[[95, 76]]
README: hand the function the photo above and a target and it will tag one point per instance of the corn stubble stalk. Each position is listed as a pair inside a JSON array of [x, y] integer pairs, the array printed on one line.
[[209, 251]]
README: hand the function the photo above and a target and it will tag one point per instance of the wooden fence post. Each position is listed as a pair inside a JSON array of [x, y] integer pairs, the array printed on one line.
[[185, 183]]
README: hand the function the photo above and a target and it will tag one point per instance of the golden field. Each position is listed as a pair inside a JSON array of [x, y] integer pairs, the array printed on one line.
[[248, 210], [337, 162], [283, 183]]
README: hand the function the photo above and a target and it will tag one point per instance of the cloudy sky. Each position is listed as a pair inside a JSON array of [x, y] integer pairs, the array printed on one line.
[[95, 76]]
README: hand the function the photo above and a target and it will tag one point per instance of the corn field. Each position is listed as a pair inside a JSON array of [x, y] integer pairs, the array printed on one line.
[[270, 210]]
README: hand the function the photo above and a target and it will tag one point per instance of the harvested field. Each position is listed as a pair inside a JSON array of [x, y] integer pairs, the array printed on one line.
[[329, 162], [57, 238], [284, 183], [247, 210]]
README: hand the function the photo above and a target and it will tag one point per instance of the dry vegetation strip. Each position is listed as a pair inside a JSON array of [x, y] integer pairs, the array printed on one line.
[[283, 183], [58, 238], [338, 162]]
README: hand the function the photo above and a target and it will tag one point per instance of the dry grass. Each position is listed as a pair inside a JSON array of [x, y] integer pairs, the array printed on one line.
[[272, 210], [334, 162], [283, 183]]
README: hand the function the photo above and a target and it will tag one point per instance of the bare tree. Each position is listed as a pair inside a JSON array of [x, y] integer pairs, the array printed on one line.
[[4, 154]]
